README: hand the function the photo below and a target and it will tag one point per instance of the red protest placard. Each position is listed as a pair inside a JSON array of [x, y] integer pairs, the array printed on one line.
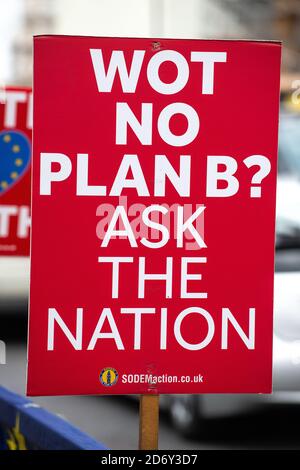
[[154, 174], [15, 160]]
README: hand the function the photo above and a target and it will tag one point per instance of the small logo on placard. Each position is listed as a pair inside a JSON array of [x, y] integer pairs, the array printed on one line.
[[109, 377]]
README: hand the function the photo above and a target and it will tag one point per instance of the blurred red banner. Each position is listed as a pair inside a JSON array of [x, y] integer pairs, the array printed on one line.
[[15, 162]]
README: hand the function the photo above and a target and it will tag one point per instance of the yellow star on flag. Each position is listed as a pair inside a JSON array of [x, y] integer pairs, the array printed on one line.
[[16, 148], [18, 161], [7, 138]]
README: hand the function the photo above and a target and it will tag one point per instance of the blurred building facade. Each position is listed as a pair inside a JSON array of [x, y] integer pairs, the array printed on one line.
[[38, 18], [270, 19], [249, 19]]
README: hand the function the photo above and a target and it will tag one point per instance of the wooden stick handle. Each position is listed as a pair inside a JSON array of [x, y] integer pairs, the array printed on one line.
[[149, 420]]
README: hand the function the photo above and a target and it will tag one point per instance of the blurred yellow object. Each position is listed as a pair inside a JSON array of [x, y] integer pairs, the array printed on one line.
[[16, 440], [292, 103], [290, 92]]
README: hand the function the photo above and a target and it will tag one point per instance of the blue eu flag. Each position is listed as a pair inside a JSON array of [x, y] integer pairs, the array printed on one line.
[[15, 150]]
